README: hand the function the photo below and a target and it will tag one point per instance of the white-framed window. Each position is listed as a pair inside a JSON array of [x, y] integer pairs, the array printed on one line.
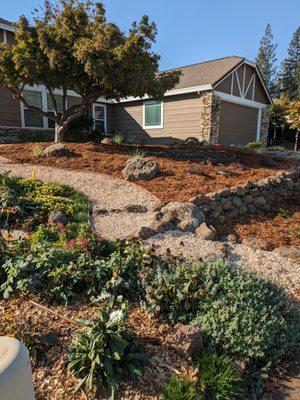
[[153, 115], [99, 116], [31, 118]]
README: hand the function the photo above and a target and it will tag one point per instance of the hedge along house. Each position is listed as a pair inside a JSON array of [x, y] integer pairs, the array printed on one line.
[[220, 101]]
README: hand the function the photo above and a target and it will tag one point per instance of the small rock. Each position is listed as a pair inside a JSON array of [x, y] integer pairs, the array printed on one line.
[[56, 150], [135, 208], [145, 232], [206, 232], [248, 199], [140, 169], [256, 243], [57, 217], [186, 339], [106, 141], [237, 201], [48, 339], [231, 238]]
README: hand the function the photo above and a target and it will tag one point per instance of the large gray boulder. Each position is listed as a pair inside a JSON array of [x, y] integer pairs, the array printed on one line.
[[140, 169], [178, 216], [56, 150]]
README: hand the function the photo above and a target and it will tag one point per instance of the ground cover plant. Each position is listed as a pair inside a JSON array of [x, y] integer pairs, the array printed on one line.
[[241, 316]]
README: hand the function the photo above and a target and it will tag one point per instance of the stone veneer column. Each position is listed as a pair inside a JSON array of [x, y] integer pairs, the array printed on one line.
[[210, 117], [265, 119]]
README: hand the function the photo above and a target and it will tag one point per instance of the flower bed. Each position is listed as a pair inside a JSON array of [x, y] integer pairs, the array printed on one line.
[[115, 287]]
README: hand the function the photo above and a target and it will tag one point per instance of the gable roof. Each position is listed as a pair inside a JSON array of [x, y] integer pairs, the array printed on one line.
[[5, 22], [206, 73]]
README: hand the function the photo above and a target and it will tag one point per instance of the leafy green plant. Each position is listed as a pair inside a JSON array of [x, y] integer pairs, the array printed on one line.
[[50, 203], [246, 315], [173, 289], [218, 378], [276, 148], [297, 233], [138, 153], [118, 138], [284, 213], [37, 150], [254, 145], [180, 388], [105, 352]]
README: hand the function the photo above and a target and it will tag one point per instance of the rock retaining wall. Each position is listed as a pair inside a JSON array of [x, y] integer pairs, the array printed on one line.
[[249, 198]]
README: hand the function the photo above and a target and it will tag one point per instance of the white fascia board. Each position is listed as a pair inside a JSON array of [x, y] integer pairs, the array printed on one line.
[[6, 27], [172, 92], [238, 100], [41, 88]]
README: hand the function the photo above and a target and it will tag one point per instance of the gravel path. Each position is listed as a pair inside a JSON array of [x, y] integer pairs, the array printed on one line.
[[109, 197], [269, 264]]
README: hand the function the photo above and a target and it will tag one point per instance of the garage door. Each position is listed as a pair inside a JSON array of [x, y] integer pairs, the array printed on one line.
[[238, 124]]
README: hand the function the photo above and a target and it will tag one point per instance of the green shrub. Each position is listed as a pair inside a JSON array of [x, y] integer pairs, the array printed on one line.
[[79, 267], [138, 153], [51, 189], [118, 138], [50, 203], [178, 388], [218, 378], [246, 315], [173, 289], [105, 352], [54, 273], [254, 145], [276, 148]]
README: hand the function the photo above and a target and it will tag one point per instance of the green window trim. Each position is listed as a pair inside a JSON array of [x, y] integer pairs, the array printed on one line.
[[153, 115]]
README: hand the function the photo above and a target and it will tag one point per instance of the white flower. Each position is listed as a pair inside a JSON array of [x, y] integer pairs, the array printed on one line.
[[116, 316], [104, 296]]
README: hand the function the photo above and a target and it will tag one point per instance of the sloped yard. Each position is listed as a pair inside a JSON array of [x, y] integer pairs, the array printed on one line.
[[185, 171]]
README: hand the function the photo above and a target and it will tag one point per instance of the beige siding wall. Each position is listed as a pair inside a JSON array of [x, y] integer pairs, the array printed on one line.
[[181, 119], [238, 124], [10, 113]]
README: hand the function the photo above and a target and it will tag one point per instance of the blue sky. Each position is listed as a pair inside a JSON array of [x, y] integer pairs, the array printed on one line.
[[196, 30]]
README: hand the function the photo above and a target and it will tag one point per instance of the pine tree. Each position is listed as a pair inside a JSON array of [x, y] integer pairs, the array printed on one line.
[[290, 69], [266, 59]]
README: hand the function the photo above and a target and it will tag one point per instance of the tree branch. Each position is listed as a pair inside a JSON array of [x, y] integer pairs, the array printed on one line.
[[46, 114]]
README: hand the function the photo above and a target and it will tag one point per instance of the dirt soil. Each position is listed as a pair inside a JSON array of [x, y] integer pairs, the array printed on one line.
[[20, 319], [279, 227], [184, 170]]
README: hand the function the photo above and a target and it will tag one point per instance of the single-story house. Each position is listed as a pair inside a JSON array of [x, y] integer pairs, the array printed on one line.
[[221, 101]]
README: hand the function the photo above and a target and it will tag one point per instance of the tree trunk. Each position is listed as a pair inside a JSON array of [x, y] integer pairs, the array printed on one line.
[[59, 133], [296, 141]]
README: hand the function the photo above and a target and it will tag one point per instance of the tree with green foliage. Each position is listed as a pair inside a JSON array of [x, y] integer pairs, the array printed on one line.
[[290, 69], [71, 46], [266, 59]]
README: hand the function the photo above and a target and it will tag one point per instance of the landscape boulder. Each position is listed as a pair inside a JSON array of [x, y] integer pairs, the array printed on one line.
[[178, 216], [186, 339], [140, 169], [56, 150], [206, 232]]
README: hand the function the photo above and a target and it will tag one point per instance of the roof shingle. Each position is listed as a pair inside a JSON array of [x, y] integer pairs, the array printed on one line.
[[206, 73]]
